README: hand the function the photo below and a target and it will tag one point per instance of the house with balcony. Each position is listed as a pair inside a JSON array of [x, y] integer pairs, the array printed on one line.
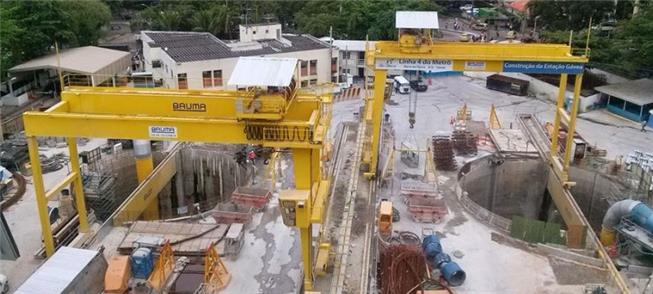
[[198, 60]]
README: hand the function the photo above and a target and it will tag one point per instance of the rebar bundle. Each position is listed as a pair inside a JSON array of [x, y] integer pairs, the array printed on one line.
[[464, 142], [402, 269], [443, 153]]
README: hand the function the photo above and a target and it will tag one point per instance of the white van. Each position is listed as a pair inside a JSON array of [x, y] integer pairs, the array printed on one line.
[[401, 84], [4, 284]]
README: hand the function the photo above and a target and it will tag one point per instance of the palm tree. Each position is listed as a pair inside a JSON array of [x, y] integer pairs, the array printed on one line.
[[208, 21], [168, 20]]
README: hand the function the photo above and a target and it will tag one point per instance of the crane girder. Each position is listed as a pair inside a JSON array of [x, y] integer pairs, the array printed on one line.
[[205, 116]]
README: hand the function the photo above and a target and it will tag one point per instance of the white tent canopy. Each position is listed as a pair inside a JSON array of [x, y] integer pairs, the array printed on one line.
[[263, 71], [416, 20]]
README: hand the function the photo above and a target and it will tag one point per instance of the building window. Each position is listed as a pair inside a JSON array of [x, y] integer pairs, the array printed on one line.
[[206, 79], [313, 67], [616, 102], [267, 31], [212, 78], [313, 82], [334, 65], [346, 55], [304, 68], [217, 78], [253, 32], [304, 84], [156, 63], [182, 81], [633, 108]]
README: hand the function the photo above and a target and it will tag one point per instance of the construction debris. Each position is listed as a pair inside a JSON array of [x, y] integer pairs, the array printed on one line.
[[53, 163], [443, 153]]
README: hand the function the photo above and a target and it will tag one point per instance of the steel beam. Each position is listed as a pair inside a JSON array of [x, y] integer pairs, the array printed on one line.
[[147, 191], [139, 127], [78, 184], [481, 52]]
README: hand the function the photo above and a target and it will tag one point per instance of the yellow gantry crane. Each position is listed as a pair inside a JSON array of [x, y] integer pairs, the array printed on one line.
[[286, 118], [417, 51]]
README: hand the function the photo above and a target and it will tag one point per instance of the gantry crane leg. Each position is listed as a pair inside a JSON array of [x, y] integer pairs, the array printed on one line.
[[306, 163], [377, 116]]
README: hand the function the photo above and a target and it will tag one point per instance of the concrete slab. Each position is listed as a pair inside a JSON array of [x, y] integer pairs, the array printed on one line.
[[512, 140]]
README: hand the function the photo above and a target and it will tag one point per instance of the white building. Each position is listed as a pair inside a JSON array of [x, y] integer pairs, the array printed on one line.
[[352, 58], [201, 60]]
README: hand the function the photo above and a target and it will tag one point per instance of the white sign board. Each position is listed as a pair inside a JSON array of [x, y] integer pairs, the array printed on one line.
[[475, 65], [165, 132], [433, 65]]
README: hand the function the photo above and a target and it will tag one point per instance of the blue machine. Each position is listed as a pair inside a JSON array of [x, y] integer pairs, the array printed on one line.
[[450, 270], [643, 216], [142, 263]]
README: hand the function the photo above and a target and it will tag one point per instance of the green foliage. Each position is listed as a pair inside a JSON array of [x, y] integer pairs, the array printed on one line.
[[629, 51], [636, 43], [569, 15], [356, 19], [30, 28]]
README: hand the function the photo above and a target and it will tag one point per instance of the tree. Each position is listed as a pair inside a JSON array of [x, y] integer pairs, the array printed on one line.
[[214, 20], [569, 15], [636, 43], [356, 19], [30, 28], [86, 19]]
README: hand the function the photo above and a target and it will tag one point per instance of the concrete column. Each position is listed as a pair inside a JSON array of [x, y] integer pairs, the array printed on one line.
[[179, 182], [144, 167]]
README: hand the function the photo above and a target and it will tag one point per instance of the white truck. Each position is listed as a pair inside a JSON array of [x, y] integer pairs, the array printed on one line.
[[401, 85], [4, 284]]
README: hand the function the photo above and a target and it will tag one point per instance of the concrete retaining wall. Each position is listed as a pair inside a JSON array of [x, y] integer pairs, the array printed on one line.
[[542, 90], [508, 188]]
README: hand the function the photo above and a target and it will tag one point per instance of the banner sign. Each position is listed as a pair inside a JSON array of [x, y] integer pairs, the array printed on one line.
[[542, 67], [475, 65], [163, 132], [433, 65]]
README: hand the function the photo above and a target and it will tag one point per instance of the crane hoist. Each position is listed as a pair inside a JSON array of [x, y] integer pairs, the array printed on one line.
[[286, 118]]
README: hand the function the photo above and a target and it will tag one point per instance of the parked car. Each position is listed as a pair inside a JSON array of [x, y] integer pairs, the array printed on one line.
[[465, 37], [418, 85]]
